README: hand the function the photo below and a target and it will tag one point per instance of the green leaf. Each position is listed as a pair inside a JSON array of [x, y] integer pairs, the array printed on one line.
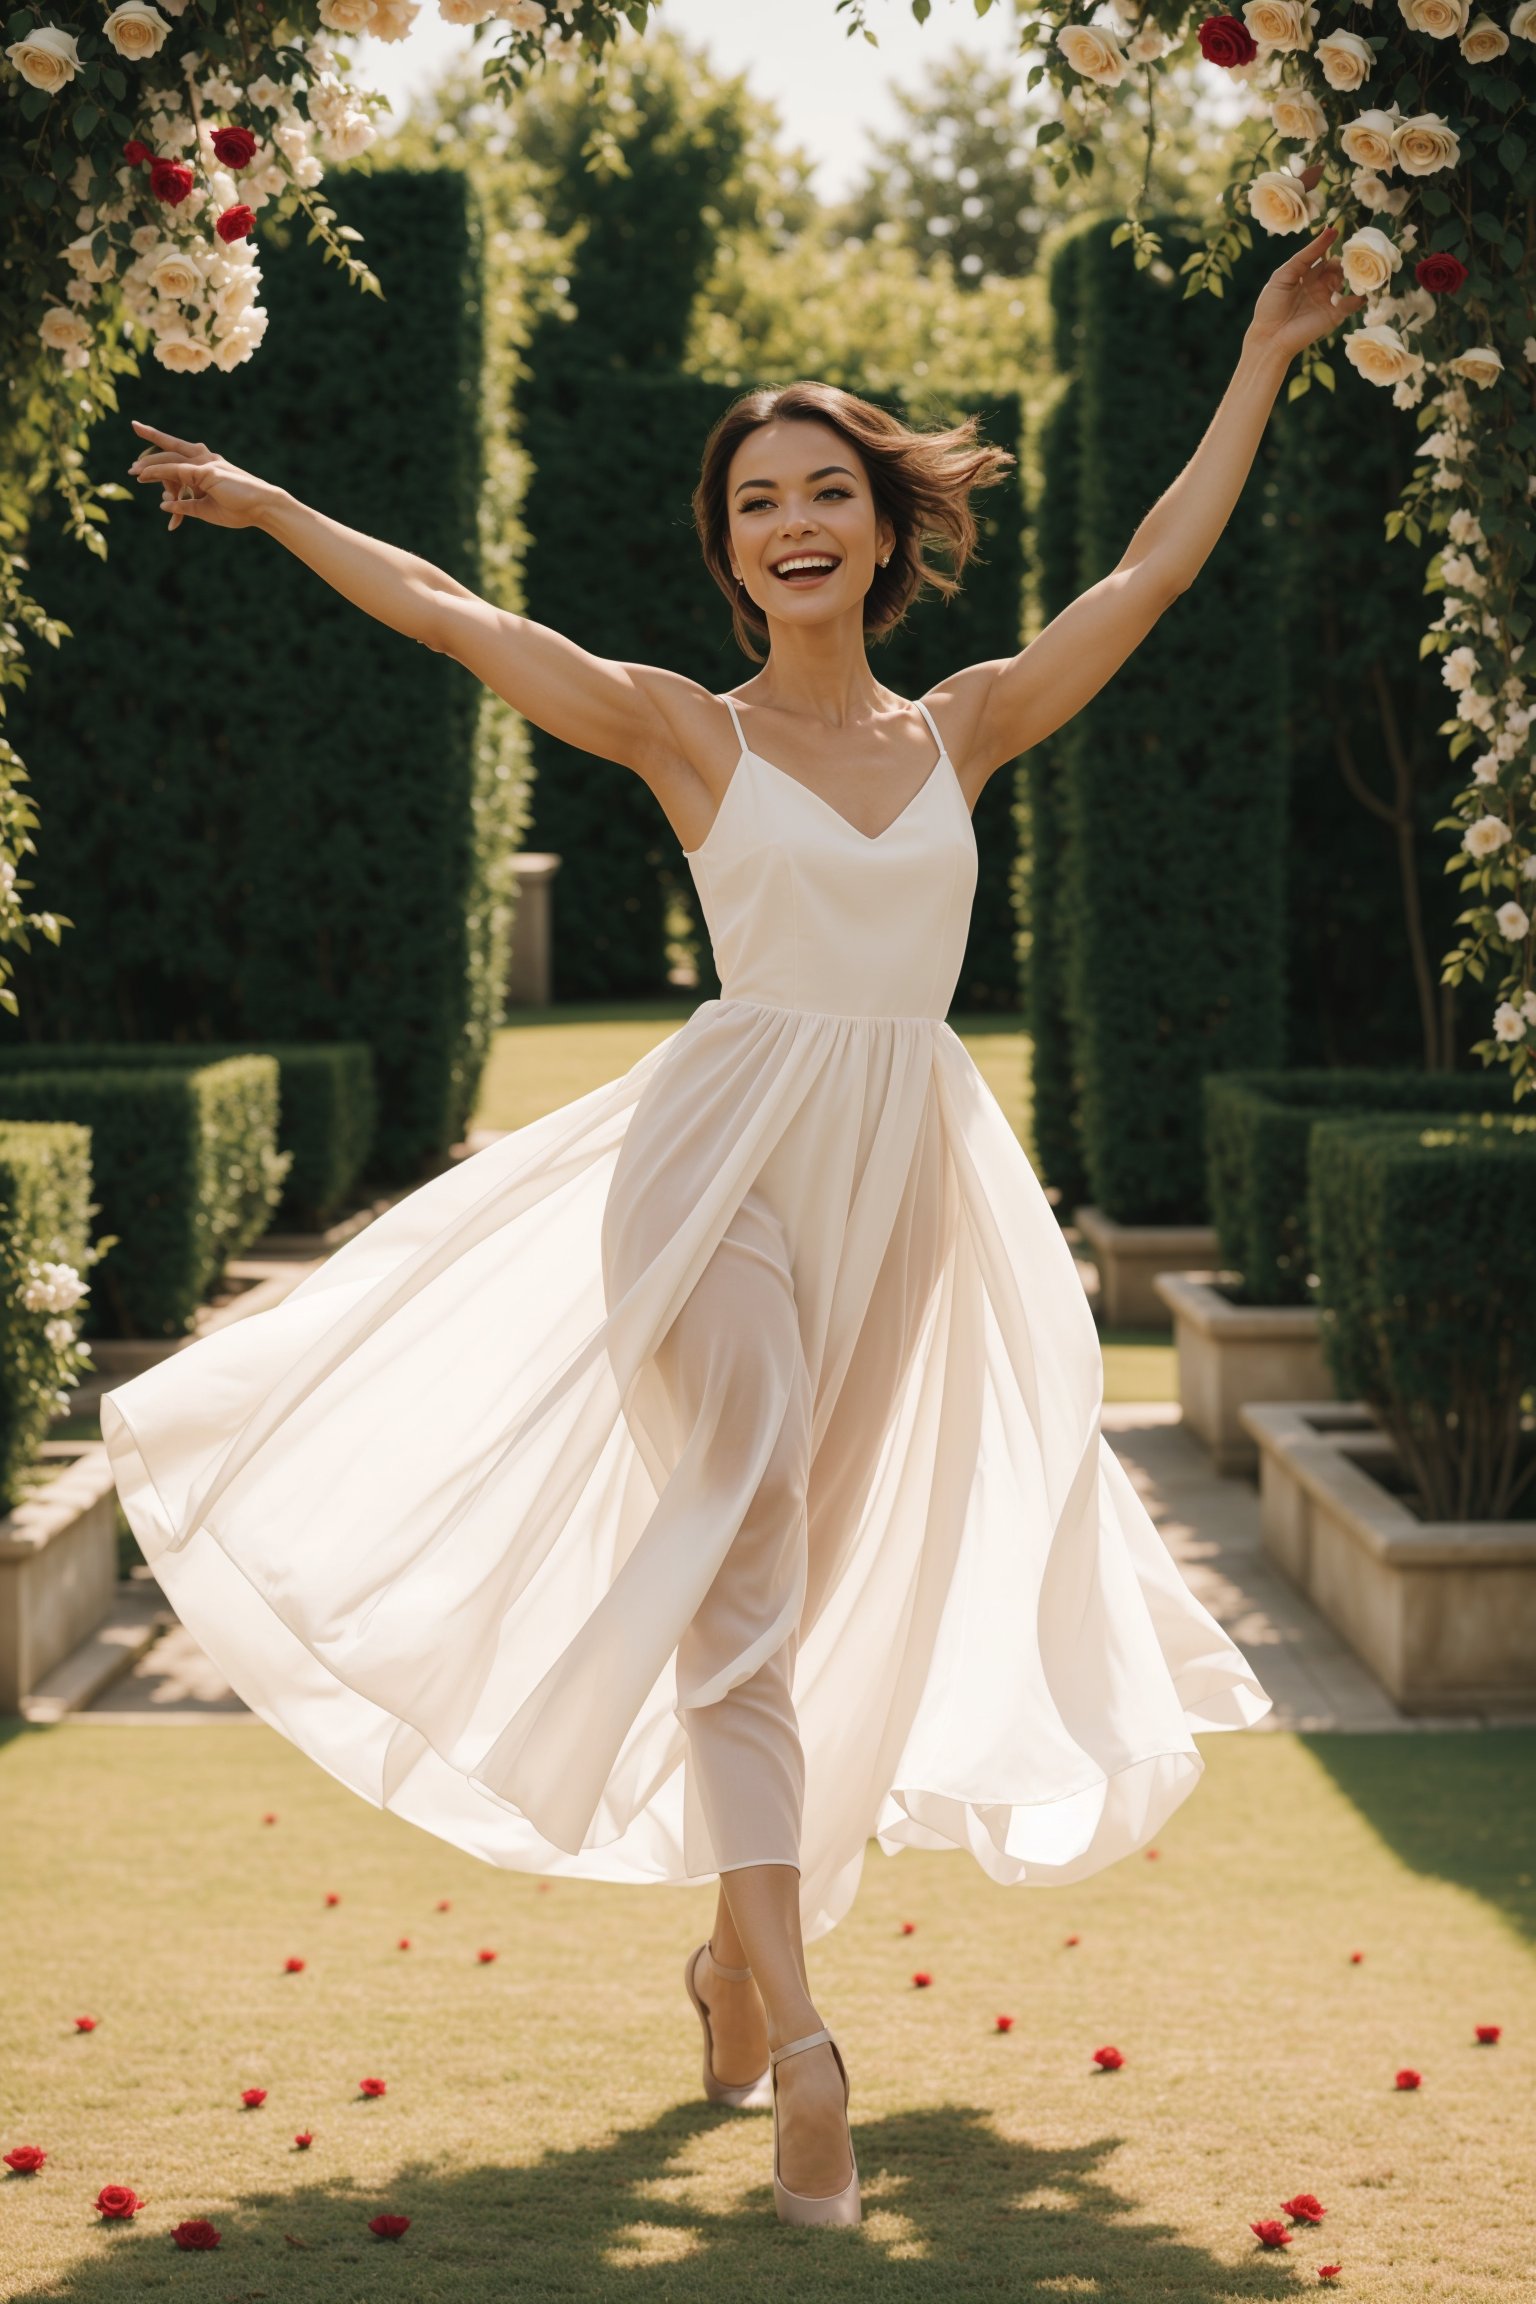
[[40, 191], [1049, 131], [1324, 375], [1488, 227], [1298, 385], [84, 118], [114, 81], [1511, 150], [1434, 201]]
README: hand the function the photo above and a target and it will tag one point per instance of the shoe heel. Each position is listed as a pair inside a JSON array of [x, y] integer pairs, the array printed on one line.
[[750, 2095]]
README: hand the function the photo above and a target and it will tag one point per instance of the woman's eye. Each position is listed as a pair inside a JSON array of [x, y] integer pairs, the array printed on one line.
[[758, 504], [834, 490]]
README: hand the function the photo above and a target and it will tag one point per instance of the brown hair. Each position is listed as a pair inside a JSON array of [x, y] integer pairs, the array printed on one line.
[[921, 483]]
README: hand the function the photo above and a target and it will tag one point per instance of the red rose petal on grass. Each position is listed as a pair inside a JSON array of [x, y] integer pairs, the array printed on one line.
[[1108, 2059], [909, 1927], [292, 1967], [1071, 1940], [86, 2023], [236, 147], [921, 1979], [117, 2203], [484, 1956], [1152, 1855], [1227, 41], [253, 2098], [404, 1944], [1271, 2233], [1355, 1959], [545, 1887], [236, 222], [136, 153], [389, 2227], [1305, 2208], [171, 181], [331, 1896], [25, 2159], [304, 2139], [1003, 2023], [196, 2232], [370, 2087], [1408, 2078], [269, 1819], [1329, 2271], [443, 1904], [1487, 2034]]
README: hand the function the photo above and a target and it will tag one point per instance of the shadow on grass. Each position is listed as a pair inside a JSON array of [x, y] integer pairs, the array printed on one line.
[[1459, 1806], [952, 2210]]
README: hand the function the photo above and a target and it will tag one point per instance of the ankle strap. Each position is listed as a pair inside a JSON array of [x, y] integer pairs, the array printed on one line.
[[732, 1975], [819, 2039]]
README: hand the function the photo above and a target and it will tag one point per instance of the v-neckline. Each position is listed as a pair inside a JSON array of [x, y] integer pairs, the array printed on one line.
[[870, 839]]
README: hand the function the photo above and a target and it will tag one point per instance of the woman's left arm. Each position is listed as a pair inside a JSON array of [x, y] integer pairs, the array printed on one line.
[[998, 710]]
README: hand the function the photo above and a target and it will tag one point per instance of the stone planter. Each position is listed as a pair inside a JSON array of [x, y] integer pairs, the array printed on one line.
[[1443, 1612], [1130, 1257], [1231, 1354], [58, 1566]]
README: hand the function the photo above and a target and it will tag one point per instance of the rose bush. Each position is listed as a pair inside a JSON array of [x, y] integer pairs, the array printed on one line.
[[1419, 115]]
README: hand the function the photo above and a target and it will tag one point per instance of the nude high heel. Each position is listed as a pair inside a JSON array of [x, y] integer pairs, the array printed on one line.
[[805, 2207], [750, 2095]]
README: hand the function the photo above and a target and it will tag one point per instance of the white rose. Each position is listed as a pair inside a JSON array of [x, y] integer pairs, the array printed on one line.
[[1424, 145], [1512, 920], [1506, 1022], [53, 1288], [348, 15], [1486, 769], [1523, 21], [59, 1334], [62, 330], [346, 137], [1459, 669], [1381, 356], [1371, 192], [465, 11], [183, 355], [1409, 393], [1089, 50], [1278, 201], [1367, 139], [1369, 260], [267, 93], [177, 274], [1483, 40], [46, 59], [526, 15], [1440, 19], [136, 30], [1528, 868], [1346, 59], [80, 258], [1281, 24], [1298, 116], [1486, 836], [1145, 48], [1480, 364], [393, 19]]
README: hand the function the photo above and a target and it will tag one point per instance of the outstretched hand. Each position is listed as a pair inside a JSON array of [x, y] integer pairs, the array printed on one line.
[[196, 484], [1306, 296]]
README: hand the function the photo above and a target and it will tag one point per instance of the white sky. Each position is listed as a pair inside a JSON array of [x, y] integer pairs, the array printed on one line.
[[829, 90]]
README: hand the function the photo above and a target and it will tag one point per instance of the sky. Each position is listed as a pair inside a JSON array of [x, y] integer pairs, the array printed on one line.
[[830, 91]]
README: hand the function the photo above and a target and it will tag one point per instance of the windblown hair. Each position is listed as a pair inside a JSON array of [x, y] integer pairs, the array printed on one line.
[[921, 481]]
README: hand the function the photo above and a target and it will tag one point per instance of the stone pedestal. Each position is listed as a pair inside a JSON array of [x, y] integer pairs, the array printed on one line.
[[1130, 1257], [58, 1567], [1231, 1354], [530, 962]]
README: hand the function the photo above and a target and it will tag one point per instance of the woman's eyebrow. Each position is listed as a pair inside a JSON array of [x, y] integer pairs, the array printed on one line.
[[821, 473]]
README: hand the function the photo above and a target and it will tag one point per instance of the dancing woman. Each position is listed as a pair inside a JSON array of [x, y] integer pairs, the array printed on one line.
[[708, 1477]]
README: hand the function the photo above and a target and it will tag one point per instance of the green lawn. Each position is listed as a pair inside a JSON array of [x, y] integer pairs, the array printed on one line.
[[542, 2127]]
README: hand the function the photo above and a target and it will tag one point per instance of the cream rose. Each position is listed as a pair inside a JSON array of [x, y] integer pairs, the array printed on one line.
[[1298, 116], [137, 31], [346, 137], [177, 275], [183, 355], [393, 19], [1512, 920], [1279, 202], [1440, 19], [1381, 356], [1092, 52], [1369, 260], [1483, 40], [1346, 59], [1371, 192], [1480, 364], [1523, 21], [46, 59], [349, 15], [1367, 139], [1486, 836], [1424, 145], [465, 11], [1282, 24], [63, 331], [1145, 46]]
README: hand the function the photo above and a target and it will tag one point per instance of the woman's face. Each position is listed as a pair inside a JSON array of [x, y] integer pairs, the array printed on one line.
[[805, 538]]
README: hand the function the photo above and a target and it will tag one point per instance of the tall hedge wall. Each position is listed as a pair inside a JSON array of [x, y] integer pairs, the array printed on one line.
[[1174, 776], [612, 562], [265, 814]]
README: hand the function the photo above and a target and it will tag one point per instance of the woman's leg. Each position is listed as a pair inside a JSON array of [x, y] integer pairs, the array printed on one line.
[[764, 1901]]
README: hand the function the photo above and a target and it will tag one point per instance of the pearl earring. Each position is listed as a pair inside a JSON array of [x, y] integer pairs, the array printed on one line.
[[885, 559]]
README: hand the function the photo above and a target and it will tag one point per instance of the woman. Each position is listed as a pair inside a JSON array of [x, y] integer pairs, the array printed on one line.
[[709, 1475]]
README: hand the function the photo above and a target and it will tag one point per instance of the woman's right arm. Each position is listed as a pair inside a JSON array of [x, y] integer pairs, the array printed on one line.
[[652, 721]]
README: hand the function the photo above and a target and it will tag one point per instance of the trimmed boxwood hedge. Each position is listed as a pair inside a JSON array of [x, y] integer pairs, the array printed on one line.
[[327, 1106], [186, 1171], [266, 816], [1425, 1238], [45, 1218], [1258, 1127]]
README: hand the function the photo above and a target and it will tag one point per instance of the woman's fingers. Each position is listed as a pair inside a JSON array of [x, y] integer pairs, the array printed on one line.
[[169, 440], [168, 470], [1304, 258]]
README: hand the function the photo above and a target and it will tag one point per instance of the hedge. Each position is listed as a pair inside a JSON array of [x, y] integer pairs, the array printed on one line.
[[1426, 1252], [265, 813], [1258, 1127], [327, 1106], [45, 1219], [186, 1170]]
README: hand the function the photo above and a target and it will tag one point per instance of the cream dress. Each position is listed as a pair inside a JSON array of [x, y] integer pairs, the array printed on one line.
[[446, 1516]]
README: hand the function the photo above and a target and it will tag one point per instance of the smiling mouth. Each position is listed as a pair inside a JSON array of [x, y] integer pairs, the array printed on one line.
[[802, 568]]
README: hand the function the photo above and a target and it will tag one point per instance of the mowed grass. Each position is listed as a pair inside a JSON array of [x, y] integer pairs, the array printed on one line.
[[543, 2127]]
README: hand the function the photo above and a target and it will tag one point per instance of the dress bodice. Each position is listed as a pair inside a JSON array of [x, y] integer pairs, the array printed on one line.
[[805, 911]]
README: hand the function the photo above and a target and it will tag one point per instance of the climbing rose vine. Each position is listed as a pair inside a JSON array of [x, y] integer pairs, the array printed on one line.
[[1419, 115]]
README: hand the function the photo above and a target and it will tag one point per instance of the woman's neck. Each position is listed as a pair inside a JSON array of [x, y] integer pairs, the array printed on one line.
[[818, 672]]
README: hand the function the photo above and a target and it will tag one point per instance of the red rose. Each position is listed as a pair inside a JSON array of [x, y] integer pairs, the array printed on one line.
[[1441, 274], [1408, 2078], [370, 2087], [1271, 2233], [484, 1956], [117, 2203], [304, 2139], [443, 1904], [1108, 2059], [1355, 1959], [390, 2227], [196, 2232], [1329, 2271], [1227, 41], [1004, 2023], [181, 195], [292, 1967], [236, 147], [1487, 2034], [921, 1979], [404, 1944], [1071, 1939], [909, 1927], [237, 223], [331, 1896], [252, 2097], [86, 2023], [136, 153], [1304, 2208], [26, 2159], [171, 181], [1152, 1855]]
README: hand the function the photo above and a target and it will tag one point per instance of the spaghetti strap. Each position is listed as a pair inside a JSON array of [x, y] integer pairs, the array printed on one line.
[[730, 704], [933, 729]]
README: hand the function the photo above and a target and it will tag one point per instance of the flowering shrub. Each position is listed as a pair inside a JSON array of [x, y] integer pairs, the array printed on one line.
[[1417, 113]]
